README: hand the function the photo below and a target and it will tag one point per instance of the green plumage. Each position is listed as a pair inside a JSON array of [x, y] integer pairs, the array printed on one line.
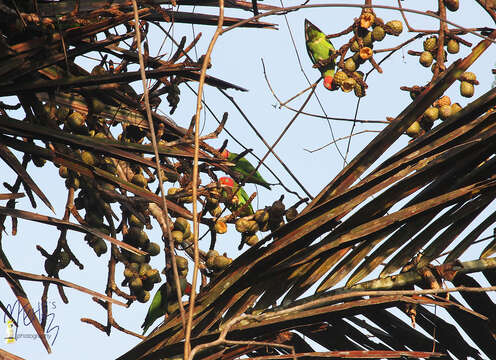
[[239, 199], [319, 48], [243, 168], [162, 303]]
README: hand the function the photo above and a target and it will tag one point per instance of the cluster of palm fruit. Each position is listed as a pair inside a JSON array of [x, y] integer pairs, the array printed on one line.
[[181, 231], [441, 109], [430, 46], [217, 263], [367, 30], [139, 275], [141, 278], [270, 218]]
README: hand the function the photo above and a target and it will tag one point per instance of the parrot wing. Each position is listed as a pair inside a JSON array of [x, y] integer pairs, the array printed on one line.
[[156, 309], [318, 46], [244, 168], [243, 196]]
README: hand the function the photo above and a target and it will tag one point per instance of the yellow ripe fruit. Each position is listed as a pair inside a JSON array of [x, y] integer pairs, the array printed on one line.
[[366, 20], [444, 112], [181, 224], [443, 100], [139, 180], [221, 262], [128, 273], [354, 46], [432, 113], [75, 120], [340, 77], [414, 130], [251, 239], [216, 211], [143, 269], [63, 172], [181, 262], [261, 216], [366, 53], [348, 85], [426, 58], [395, 27], [350, 65], [88, 158], [134, 221], [220, 227], [177, 235], [172, 191], [466, 89], [455, 108], [453, 46], [430, 44], [378, 34], [468, 76]]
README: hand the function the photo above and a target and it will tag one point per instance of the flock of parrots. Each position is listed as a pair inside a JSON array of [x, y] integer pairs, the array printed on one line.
[[319, 49]]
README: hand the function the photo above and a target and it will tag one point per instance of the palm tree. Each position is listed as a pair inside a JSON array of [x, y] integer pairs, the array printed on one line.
[[379, 244]]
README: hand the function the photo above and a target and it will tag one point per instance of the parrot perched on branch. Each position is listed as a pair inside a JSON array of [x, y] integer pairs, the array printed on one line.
[[243, 168], [240, 198], [320, 49], [163, 302]]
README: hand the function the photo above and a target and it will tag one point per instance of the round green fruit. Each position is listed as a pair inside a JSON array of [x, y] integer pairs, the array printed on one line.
[[99, 247], [430, 44], [153, 249], [426, 59], [453, 46], [466, 89], [75, 120], [378, 33], [414, 130]]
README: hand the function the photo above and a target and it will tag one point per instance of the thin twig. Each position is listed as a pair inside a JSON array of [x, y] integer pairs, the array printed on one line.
[[157, 160], [341, 138], [206, 61]]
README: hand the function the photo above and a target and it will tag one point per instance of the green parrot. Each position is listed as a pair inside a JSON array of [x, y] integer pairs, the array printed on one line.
[[239, 199], [162, 302], [244, 168], [319, 49]]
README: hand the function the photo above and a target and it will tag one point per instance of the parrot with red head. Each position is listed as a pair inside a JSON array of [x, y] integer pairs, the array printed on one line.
[[243, 168], [240, 197], [319, 50]]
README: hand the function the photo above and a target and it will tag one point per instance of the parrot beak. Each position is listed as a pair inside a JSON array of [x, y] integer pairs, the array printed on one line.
[[329, 83]]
